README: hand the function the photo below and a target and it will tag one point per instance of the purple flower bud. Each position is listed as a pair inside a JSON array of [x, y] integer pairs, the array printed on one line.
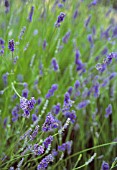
[[94, 30], [39, 100], [104, 51], [87, 21], [34, 117], [108, 111], [83, 104], [60, 5], [31, 14], [54, 152], [66, 37], [90, 39], [5, 122], [1, 41], [44, 44], [112, 75], [50, 93], [5, 78], [11, 45], [50, 123], [44, 162], [60, 19], [77, 55], [7, 5], [75, 14], [48, 141], [56, 109], [70, 90], [25, 93], [105, 166], [77, 84], [35, 132], [54, 64], [71, 115]]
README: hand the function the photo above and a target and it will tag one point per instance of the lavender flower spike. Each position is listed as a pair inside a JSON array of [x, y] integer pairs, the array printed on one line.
[[108, 111], [31, 14], [60, 19], [45, 161], [54, 64], [11, 45]]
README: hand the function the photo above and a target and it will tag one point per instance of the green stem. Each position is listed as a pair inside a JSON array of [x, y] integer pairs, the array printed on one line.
[[13, 87]]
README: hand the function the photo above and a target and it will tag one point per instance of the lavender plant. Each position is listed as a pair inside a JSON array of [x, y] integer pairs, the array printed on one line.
[[58, 95]]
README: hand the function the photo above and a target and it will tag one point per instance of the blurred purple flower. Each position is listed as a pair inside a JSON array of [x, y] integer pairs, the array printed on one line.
[[31, 14], [105, 166], [50, 93], [75, 14], [108, 111], [66, 37], [54, 64], [25, 93], [87, 21], [83, 104], [34, 117]]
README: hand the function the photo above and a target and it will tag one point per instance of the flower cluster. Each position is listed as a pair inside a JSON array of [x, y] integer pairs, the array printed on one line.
[[27, 105], [45, 161], [50, 123]]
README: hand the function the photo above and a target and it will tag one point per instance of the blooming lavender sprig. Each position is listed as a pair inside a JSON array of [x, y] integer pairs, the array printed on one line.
[[31, 14], [50, 93], [11, 45], [2, 46], [83, 104], [71, 115], [65, 146], [27, 105], [50, 123], [108, 111], [38, 150], [45, 161], [55, 64], [87, 21], [67, 102], [56, 109], [48, 141], [35, 132], [60, 19]]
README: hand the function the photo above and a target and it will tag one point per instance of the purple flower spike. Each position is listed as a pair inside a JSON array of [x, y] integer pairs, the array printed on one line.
[[25, 93], [50, 93], [54, 64], [87, 21], [34, 117], [56, 109], [48, 141], [105, 166], [60, 19], [50, 123], [31, 14], [83, 104], [11, 45], [108, 111], [45, 161], [75, 14], [66, 37], [7, 5], [71, 115], [77, 84], [27, 105]]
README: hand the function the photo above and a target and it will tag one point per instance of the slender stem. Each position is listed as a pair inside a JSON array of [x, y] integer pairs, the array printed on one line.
[[15, 90]]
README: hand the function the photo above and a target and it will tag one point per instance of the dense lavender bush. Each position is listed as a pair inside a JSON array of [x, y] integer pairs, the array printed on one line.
[[58, 82]]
